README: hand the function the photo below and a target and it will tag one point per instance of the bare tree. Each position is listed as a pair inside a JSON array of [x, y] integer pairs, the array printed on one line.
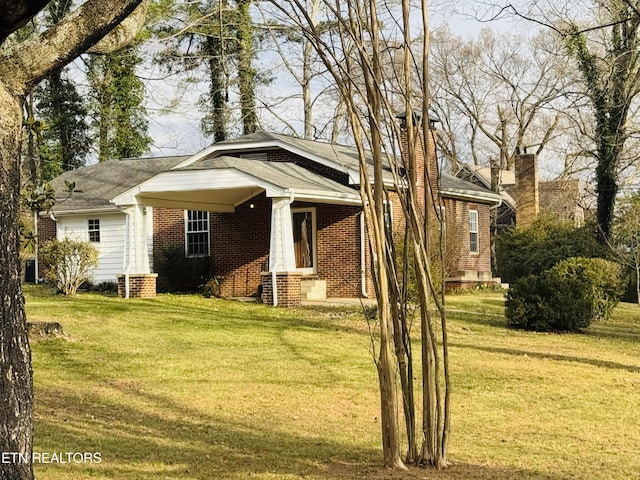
[[22, 65], [374, 70], [496, 94]]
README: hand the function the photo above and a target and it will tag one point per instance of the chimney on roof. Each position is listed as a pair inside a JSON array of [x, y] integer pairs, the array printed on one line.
[[527, 196], [419, 175]]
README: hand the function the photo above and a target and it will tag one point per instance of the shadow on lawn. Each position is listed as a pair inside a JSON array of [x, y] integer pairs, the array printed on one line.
[[165, 439], [551, 356]]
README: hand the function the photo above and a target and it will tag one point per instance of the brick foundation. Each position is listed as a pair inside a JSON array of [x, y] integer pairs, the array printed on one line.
[[289, 293], [141, 285]]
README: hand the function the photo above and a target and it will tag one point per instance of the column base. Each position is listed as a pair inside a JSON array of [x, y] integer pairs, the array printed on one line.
[[141, 285], [288, 290]]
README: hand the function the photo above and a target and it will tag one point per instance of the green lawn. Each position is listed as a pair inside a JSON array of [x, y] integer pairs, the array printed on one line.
[[182, 387]]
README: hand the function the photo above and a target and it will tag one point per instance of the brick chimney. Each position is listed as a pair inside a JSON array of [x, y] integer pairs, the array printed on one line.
[[527, 196], [419, 175]]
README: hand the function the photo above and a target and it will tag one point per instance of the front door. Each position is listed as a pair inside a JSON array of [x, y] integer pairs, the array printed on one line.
[[304, 239]]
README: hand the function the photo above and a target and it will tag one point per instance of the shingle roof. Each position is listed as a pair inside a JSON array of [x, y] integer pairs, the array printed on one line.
[[99, 183], [281, 174], [342, 155], [451, 186]]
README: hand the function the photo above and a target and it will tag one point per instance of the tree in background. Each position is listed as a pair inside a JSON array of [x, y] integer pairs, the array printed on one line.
[[602, 42], [218, 37], [496, 94], [65, 136], [117, 104], [55, 113], [22, 66], [626, 235], [299, 60]]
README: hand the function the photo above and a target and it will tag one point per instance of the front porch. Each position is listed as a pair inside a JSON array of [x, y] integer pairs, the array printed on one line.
[[283, 244]]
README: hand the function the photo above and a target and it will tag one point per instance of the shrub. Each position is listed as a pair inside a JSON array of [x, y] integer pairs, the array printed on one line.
[[179, 274], [568, 297], [604, 277], [533, 250], [549, 303], [69, 263]]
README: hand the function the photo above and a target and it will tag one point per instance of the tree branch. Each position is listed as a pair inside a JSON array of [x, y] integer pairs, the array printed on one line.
[[25, 64], [14, 15]]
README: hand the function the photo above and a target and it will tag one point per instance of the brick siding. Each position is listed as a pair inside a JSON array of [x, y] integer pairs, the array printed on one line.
[[288, 289], [140, 285]]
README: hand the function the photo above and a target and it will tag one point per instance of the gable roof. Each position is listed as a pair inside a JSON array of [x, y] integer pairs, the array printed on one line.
[[478, 175], [342, 158]]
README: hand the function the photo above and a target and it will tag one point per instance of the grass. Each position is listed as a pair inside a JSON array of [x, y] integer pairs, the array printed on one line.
[[182, 387]]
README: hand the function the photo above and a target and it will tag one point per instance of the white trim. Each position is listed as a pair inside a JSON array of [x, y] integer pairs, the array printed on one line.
[[329, 197], [195, 180], [470, 195], [476, 231], [314, 239], [187, 232]]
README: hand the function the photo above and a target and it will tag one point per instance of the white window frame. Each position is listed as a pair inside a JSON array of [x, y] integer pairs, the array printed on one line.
[[93, 229], [314, 239], [188, 224], [473, 230], [442, 211]]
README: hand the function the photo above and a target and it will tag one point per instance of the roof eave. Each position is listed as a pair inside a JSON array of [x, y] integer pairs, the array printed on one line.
[[469, 195]]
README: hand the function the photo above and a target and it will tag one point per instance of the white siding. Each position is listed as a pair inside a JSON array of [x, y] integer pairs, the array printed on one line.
[[110, 247]]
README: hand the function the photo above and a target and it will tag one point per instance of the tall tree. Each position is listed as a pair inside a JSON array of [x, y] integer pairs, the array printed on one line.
[[495, 94], [65, 136], [120, 119], [22, 66], [57, 138], [217, 36]]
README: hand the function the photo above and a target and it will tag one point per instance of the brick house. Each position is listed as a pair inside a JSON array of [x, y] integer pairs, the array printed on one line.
[[264, 209]]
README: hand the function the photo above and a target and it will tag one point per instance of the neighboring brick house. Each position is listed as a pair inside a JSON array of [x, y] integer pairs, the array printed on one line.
[[524, 196], [264, 208]]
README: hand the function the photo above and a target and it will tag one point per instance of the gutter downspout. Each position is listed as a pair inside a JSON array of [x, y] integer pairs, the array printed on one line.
[[126, 258], [363, 274], [37, 243]]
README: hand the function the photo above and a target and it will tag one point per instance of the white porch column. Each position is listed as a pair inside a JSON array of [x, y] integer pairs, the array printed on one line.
[[281, 285], [281, 253], [137, 260], [137, 279]]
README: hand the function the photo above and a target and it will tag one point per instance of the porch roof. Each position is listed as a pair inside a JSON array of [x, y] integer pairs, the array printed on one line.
[[222, 183]]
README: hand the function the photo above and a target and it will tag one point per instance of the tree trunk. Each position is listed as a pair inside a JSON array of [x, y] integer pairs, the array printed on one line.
[[246, 72], [217, 89], [16, 381], [638, 283]]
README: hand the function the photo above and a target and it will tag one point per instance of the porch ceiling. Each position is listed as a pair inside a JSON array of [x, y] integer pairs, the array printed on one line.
[[221, 200]]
